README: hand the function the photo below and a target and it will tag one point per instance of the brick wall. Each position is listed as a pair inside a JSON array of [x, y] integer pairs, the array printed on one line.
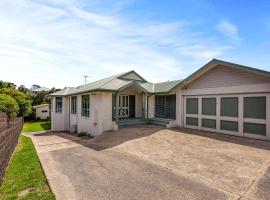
[[9, 133]]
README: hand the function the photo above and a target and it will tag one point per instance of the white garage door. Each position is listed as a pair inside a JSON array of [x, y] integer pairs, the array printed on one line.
[[242, 115]]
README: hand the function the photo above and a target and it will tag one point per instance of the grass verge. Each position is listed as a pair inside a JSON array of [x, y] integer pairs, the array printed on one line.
[[34, 126], [24, 178]]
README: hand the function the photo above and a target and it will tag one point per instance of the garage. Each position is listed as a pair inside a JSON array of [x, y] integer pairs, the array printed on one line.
[[241, 115]]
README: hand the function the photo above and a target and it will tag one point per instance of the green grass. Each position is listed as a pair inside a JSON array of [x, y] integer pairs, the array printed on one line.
[[24, 172], [34, 126]]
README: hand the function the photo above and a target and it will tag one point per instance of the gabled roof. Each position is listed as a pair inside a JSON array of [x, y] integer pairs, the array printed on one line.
[[215, 62], [119, 82], [41, 105]]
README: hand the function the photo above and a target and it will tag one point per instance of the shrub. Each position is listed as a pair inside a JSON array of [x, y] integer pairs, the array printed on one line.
[[8, 105], [81, 134], [23, 100]]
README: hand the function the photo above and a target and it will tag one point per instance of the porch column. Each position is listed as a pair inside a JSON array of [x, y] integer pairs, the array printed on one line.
[[117, 107], [146, 106]]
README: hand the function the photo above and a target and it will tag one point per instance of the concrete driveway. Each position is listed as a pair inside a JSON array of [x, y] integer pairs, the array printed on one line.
[[148, 162]]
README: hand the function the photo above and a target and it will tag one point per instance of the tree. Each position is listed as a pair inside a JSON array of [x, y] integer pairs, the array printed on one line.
[[23, 100], [34, 86], [40, 98], [52, 90], [4, 84], [23, 89], [9, 105]]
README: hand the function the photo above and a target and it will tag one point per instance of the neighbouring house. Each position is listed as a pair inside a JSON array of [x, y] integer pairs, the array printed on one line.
[[41, 89], [42, 111], [221, 97]]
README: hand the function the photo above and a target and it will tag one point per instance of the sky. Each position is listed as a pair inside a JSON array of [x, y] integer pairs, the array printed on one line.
[[54, 43]]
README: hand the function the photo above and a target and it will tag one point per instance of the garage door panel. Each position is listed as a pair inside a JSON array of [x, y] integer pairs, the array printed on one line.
[[209, 106], [253, 128], [229, 106], [229, 125], [192, 106], [209, 123], [255, 107], [191, 121]]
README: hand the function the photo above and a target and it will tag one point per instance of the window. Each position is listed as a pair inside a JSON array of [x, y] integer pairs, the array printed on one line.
[[209, 106], [73, 105], [255, 107], [229, 107], [58, 104], [192, 106], [44, 111], [85, 106]]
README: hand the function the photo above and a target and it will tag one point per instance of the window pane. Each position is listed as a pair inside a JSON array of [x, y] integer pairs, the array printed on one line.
[[255, 107], [229, 106], [192, 121], [58, 104], [192, 106], [209, 106], [229, 125], [85, 106], [209, 123], [253, 128]]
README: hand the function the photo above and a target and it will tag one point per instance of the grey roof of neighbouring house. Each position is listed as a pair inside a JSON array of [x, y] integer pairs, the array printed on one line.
[[118, 82], [41, 89]]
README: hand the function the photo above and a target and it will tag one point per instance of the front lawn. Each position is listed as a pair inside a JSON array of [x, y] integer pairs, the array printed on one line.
[[24, 178], [34, 126]]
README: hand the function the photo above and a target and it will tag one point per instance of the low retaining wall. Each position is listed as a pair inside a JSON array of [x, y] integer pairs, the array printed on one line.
[[10, 130]]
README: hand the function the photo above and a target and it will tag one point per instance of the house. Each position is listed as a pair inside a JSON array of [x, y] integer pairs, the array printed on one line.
[[42, 111], [221, 97], [41, 89]]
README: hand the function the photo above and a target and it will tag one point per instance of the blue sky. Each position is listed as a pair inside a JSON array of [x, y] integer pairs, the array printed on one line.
[[56, 42]]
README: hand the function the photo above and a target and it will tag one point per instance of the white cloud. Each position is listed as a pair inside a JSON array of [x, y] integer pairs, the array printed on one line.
[[56, 44], [228, 29]]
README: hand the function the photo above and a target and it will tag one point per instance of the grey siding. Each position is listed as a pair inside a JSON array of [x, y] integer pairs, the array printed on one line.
[[224, 76]]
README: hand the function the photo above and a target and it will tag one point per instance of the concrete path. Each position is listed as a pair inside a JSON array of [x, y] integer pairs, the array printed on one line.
[[79, 169]]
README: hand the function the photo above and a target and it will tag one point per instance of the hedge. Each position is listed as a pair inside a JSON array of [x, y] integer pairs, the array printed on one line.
[[9, 105]]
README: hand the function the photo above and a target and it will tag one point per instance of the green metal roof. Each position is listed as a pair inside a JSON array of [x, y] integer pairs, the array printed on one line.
[[124, 80], [119, 82]]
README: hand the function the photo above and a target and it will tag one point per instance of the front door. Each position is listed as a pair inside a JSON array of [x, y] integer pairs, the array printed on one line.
[[123, 106], [132, 106]]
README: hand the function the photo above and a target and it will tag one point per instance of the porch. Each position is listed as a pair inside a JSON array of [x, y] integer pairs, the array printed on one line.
[[134, 106]]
